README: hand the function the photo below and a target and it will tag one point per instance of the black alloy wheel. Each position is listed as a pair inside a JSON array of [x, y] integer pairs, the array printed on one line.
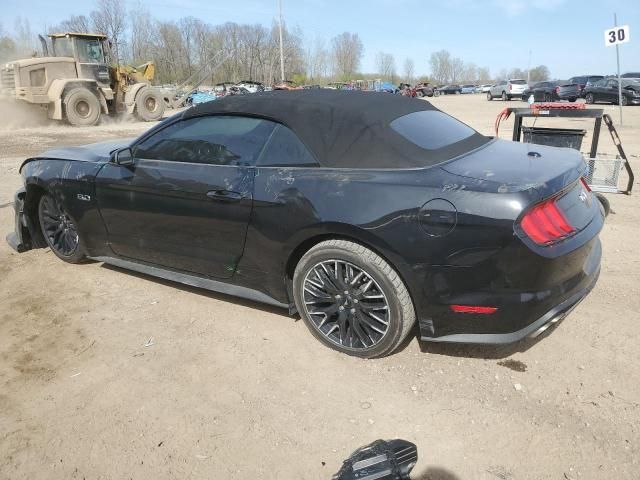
[[346, 304], [59, 230]]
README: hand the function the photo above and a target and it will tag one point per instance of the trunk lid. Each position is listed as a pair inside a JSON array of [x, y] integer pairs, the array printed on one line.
[[503, 167]]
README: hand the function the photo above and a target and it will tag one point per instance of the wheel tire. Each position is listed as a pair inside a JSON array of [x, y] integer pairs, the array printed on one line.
[[400, 314], [149, 105], [436, 93], [572, 100], [59, 230], [625, 101], [489, 96], [81, 107], [504, 96], [547, 97], [419, 94], [589, 98], [604, 201]]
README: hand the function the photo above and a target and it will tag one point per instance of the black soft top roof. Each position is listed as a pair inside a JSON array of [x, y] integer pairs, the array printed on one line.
[[343, 129]]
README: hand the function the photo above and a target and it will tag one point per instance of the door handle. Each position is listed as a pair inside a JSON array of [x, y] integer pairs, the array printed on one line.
[[225, 195]]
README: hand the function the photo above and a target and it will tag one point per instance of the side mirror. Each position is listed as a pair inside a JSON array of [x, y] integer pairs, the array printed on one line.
[[123, 157], [393, 460]]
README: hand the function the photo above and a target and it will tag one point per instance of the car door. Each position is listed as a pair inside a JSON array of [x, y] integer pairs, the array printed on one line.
[[611, 91], [185, 201]]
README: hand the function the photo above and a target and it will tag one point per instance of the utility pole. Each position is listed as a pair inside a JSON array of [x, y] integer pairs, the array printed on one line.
[[529, 69], [615, 24], [282, 48]]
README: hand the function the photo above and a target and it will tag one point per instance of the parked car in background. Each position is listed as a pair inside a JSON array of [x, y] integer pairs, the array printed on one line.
[[630, 75], [251, 86], [507, 89], [424, 90], [449, 89], [483, 88], [553, 91], [606, 91], [468, 89], [584, 81]]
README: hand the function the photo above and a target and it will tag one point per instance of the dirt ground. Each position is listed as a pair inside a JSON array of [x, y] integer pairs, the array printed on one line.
[[106, 374]]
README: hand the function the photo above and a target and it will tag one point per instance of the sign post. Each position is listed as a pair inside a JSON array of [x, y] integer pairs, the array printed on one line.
[[616, 36]]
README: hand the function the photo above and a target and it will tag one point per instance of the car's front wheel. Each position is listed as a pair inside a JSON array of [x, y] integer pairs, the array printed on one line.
[[489, 96], [352, 300], [59, 230], [589, 98], [504, 96]]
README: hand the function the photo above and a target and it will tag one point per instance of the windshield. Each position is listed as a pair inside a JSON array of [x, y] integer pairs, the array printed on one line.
[[518, 82], [90, 50], [62, 47]]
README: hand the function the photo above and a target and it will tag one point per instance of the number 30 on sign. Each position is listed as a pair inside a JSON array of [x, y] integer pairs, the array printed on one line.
[[616, 35]]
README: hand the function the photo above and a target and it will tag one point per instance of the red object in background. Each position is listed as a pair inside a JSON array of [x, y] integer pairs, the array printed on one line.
[[558, 106]]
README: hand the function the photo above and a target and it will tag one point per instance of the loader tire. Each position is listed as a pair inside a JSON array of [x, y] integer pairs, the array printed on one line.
[[149, 105], [81, 107]]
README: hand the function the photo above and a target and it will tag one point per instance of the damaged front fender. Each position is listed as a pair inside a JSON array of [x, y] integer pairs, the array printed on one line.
[[20, 239]]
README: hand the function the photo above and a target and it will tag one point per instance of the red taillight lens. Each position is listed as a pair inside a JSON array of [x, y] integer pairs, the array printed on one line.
[[510, 87], [545, 223], [472, 309]]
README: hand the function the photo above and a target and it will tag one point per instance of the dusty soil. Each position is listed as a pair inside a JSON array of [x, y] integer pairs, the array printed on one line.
[[108, 374]]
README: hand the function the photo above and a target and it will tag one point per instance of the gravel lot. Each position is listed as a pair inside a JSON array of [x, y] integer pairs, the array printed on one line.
[[109, 374]]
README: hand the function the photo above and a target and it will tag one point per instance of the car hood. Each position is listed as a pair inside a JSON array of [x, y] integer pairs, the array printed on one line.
[[503, 166], [93, 152]]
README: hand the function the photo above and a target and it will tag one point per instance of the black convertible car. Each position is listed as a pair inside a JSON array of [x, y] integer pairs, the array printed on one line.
[[363, 212]]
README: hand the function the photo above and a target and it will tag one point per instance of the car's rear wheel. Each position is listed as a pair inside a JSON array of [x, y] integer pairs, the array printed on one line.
[[419, 94], [625, 101], [547, 97], [352, 300], [489, 96], [504, 96], [589, 98], [59, 230]]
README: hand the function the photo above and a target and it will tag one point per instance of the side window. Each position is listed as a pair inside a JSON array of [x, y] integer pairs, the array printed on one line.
[[214, 140], [285, 149], [613, 84]]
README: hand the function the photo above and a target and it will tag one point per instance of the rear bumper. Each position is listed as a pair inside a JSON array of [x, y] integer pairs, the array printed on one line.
[[561, 284], [537, 327]]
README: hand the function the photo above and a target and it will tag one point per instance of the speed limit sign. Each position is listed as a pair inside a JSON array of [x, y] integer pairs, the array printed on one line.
[[616, 35]]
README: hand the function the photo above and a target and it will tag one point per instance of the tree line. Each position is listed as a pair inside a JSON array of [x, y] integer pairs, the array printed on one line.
[[180, 47]]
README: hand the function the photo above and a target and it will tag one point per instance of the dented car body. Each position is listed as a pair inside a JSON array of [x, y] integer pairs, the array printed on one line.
[[494, 240]]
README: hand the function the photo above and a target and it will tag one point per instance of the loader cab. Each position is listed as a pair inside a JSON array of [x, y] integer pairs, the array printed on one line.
[[89, 52]]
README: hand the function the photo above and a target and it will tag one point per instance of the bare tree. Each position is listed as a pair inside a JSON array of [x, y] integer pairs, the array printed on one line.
[[484, 75], [110, 19], [386, 66], [347, 50], [409, 70], [539, 74], [75, 23], [456, 70], [317, 60], [440, 63]]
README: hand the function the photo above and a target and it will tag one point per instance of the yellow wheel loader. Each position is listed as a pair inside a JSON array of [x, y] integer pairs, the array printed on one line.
[[76, 83]]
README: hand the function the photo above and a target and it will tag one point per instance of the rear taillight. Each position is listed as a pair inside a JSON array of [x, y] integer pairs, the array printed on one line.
[[546, 224], [510, 87], [557, 89]]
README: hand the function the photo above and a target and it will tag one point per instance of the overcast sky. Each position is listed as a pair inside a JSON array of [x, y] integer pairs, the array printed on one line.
[[565, 35]]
